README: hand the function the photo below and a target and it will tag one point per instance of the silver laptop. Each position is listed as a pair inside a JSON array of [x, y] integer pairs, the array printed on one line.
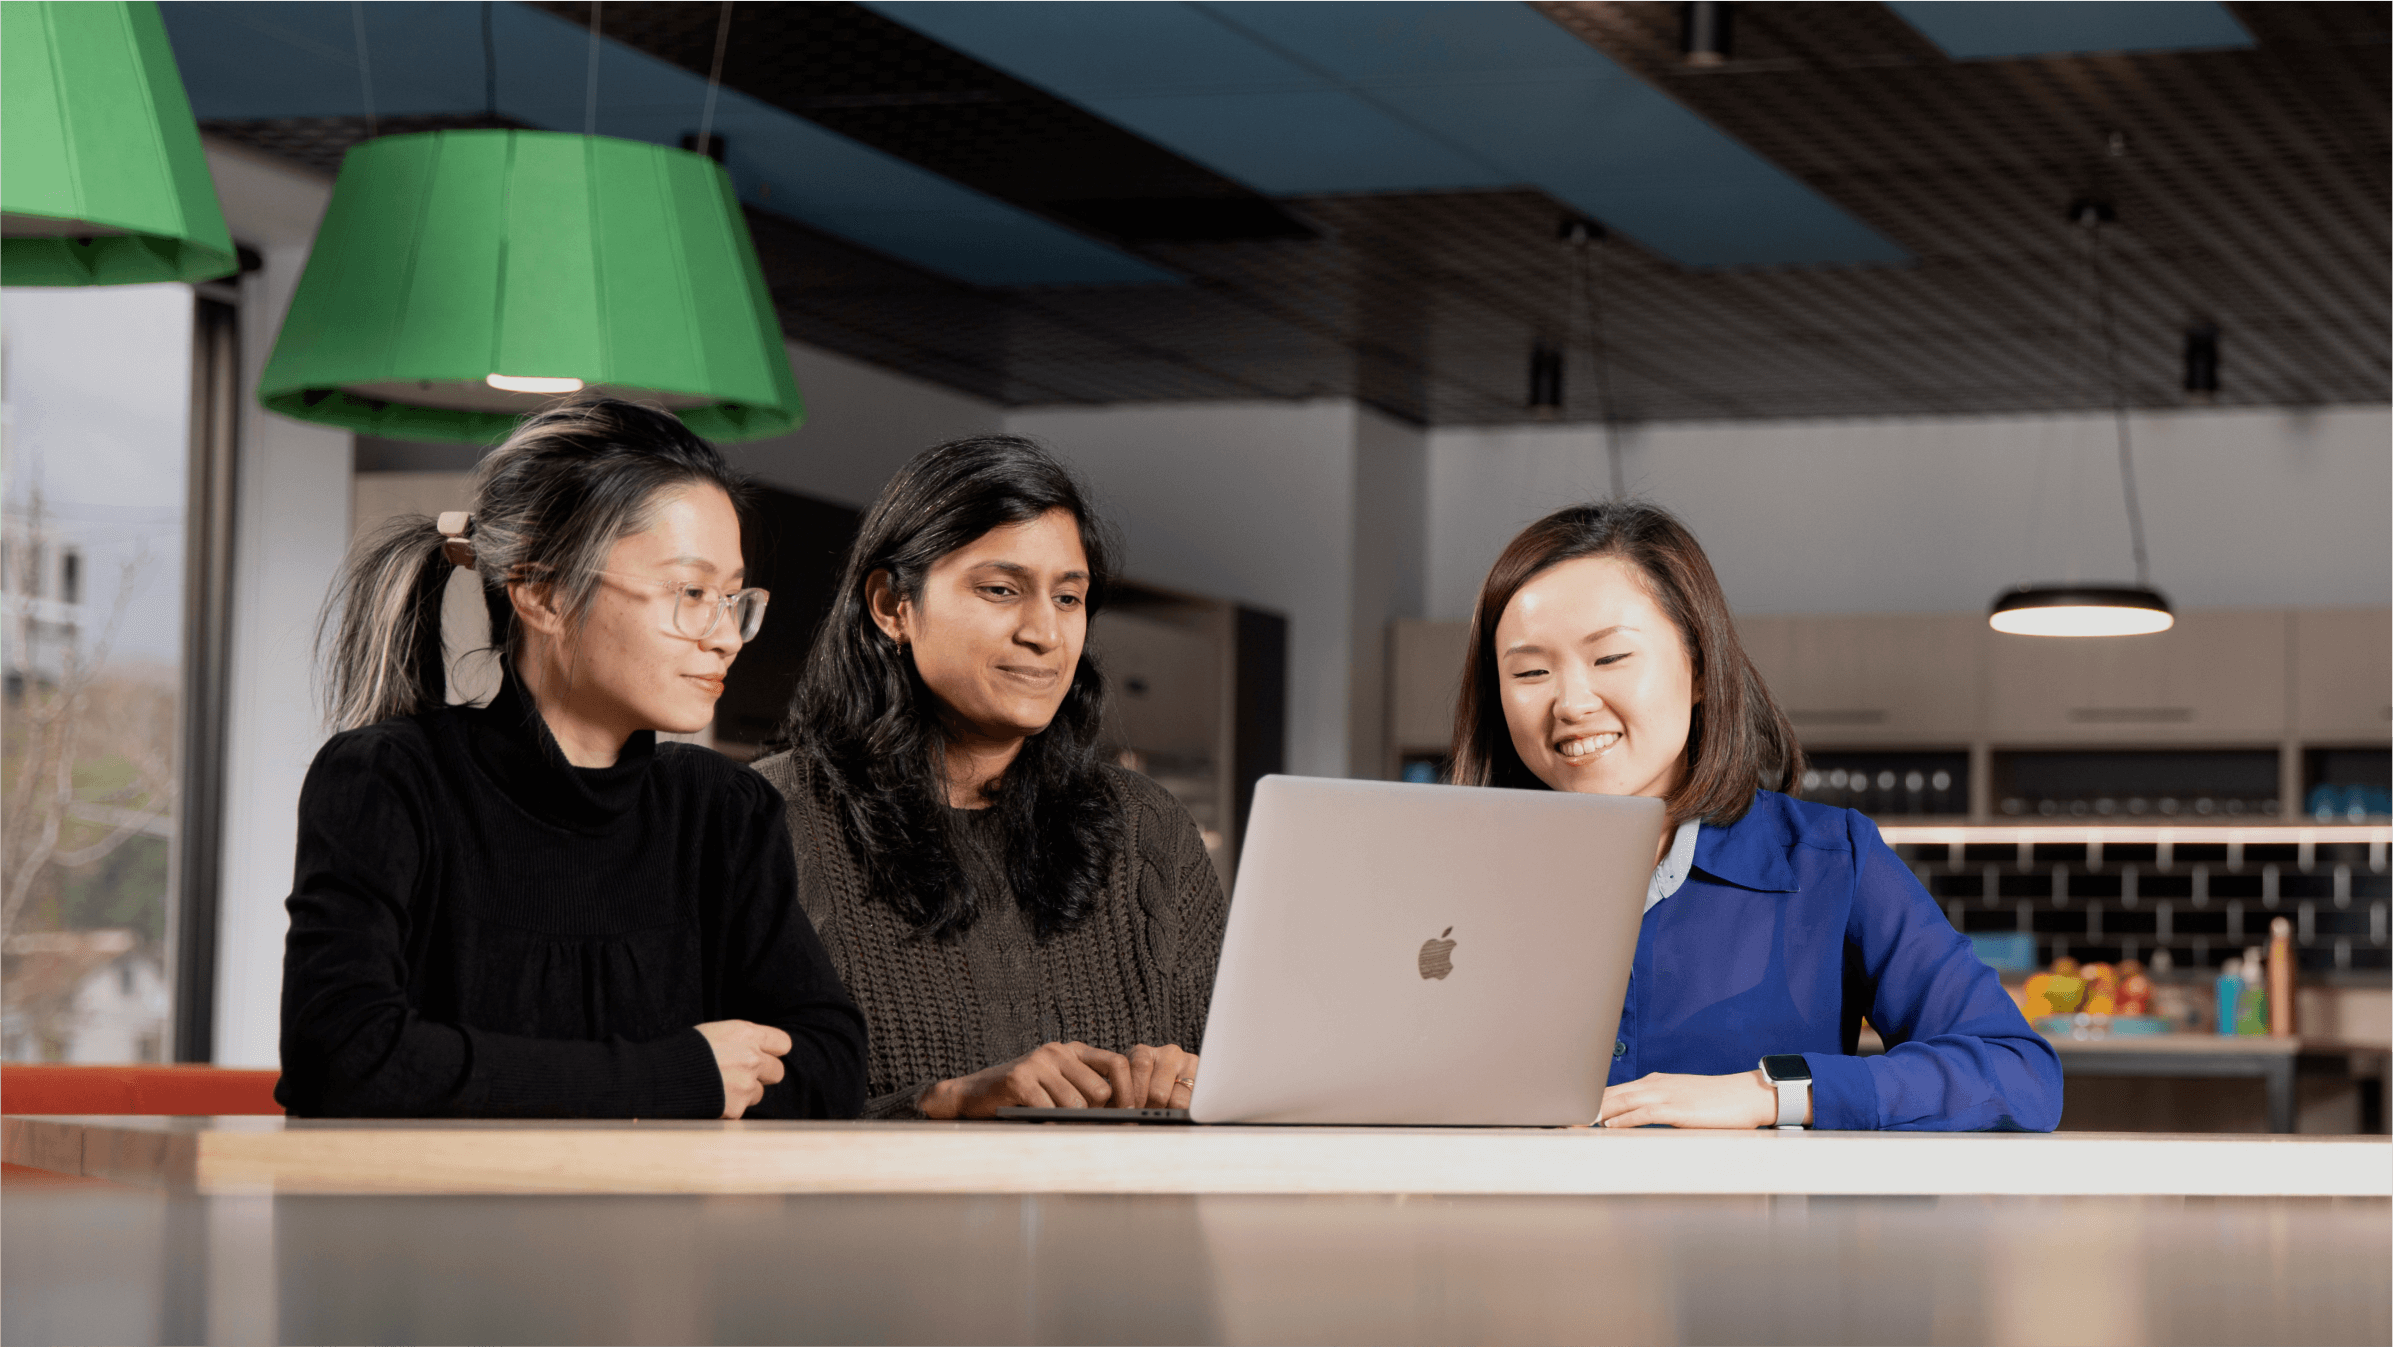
[[1420, 955]]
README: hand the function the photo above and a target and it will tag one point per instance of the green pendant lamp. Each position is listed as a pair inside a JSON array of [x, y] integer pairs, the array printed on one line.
[[464, 278], [102, 179]]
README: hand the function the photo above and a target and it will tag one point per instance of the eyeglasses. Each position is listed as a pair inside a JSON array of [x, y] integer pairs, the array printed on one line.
[[698, 609]]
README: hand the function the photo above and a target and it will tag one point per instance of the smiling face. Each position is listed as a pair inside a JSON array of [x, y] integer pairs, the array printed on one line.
[[998, 628], [1598, 687], [623, 667]]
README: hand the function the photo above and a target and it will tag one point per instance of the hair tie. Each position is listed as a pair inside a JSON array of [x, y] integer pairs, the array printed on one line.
[[454, 526]]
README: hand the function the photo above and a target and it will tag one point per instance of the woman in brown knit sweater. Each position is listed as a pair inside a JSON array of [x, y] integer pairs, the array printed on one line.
[[1021, 922]]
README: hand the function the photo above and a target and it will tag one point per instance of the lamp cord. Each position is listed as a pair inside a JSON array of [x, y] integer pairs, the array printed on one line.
[[490, 69], [2106, 319], [714, 83], [1585, 246], [590, 111], [365, 66]]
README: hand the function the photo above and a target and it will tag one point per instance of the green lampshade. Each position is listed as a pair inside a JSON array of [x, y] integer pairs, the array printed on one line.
[[102, 179], [452, 258]]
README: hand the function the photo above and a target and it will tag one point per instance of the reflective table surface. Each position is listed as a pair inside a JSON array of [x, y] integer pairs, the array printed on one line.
[[87, 1261]]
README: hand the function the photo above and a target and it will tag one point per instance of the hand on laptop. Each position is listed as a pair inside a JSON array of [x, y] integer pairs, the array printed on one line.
[[1740, 1100], [1161, 1077], [1051, 1075], [1068, 1075]]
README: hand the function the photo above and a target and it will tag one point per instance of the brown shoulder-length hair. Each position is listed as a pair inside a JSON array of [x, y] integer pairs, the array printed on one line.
[[1738, 741]]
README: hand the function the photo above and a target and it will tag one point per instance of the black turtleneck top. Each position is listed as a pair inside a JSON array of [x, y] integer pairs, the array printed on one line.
[[481, 929]]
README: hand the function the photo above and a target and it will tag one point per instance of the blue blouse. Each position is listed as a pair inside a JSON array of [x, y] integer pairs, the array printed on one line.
[[1796, 921]]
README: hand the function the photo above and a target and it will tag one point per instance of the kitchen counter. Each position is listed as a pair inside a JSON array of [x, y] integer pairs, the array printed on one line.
[[2274, 1061]]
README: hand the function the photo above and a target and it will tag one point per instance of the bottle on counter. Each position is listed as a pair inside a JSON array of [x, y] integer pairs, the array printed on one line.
[[2230, 994], [2180, 1007], [2280, 978], [2251, 1009]]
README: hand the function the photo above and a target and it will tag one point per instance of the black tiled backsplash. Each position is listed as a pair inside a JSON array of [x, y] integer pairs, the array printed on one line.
[[2202, 902]]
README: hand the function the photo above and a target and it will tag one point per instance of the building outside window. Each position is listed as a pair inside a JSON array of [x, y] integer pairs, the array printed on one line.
[[95, 405]]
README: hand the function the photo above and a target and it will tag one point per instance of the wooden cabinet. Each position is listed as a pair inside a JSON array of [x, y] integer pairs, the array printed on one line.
[[2343, 675], [1198, 702], [2218, 677], [1872, 678], [1846, 679], [1425, 673]]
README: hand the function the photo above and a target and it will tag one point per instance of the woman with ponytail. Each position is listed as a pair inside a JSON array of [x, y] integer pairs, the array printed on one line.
[[1023, 922], [531, 908]]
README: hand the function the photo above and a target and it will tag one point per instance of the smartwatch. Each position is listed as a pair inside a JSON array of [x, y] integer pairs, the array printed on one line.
[[1790, 1075]]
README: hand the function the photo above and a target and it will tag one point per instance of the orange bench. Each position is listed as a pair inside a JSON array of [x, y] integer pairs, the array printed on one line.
[[28, 1087]]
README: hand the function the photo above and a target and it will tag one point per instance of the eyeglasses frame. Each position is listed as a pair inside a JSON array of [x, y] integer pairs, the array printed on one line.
[[673, 590]]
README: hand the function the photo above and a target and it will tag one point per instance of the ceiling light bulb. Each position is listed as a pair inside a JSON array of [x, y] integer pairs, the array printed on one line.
[[2081, 610], [524, 383], [2090, 621]]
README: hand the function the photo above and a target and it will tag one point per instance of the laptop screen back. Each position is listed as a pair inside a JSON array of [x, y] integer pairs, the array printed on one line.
[[1425, 955]]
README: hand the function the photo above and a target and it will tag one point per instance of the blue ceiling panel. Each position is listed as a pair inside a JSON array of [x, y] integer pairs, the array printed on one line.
[[243, 60], [1402, 43], [1308, 98], [1104, 50], [1180, 77], [1300, 142], [1978, 29]]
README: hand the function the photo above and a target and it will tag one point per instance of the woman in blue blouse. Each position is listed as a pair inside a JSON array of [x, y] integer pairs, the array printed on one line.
[[1603, 660]]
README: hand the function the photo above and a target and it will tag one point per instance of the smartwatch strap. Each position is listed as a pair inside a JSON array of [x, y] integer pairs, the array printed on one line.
[[1794, 1098]]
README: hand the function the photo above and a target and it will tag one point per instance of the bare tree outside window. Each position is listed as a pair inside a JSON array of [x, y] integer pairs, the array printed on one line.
[[94, 387]]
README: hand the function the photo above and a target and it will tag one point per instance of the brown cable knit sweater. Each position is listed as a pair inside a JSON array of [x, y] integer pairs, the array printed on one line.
[[1139, 969]]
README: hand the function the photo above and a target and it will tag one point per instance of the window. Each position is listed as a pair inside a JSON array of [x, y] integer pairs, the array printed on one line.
[[95, 407]]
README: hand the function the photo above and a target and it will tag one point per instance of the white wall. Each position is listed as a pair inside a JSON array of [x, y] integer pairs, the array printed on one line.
[[290, 533], [1389, 573], [862, 423], [2243, 508], [1245, 501]]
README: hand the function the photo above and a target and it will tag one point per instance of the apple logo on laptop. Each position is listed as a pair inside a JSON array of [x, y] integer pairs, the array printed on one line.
[[1437, 956]]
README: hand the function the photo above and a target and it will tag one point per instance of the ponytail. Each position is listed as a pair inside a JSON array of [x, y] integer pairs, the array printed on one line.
[[385, 647], [549, 504]]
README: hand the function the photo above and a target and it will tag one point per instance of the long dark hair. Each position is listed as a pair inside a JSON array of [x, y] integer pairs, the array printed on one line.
[[870, 729], [548, 504], [1738, 742]]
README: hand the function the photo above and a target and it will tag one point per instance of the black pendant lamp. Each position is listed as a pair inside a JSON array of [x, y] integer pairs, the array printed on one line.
[[2094, 609]]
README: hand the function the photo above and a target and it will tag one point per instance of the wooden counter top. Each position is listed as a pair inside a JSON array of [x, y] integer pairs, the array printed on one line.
[[275, 1155]]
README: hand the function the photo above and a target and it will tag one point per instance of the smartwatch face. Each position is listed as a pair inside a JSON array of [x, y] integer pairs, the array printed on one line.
[[1786, 1067]]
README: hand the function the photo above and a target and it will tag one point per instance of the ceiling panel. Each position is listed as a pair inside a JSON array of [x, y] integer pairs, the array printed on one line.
[[2250, 184], [1982, 29], [249, 62], [1294, 97]]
